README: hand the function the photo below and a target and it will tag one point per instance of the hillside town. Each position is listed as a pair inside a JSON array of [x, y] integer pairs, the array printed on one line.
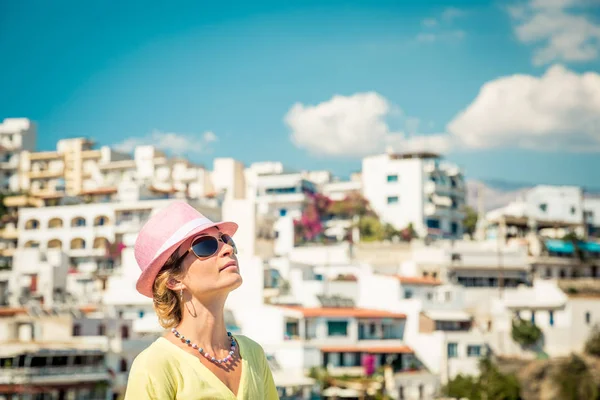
[[385, 285]]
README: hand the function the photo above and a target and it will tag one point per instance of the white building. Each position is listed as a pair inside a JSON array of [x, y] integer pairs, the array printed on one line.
[[416, 189], [40, 358], [552, 211], [16, 135], [470, 264]]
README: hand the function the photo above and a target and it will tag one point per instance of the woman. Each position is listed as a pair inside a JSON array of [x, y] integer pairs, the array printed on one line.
[[189, 266]]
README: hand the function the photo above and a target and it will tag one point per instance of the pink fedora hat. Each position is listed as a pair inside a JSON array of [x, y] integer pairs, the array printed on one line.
[[164, 233]]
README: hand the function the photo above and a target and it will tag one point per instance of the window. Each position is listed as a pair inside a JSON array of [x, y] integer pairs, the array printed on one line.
[[282, 212], [123, 366], [401, 393], [101, 330], [408, 294], [454, 228], [141, 313], [573, 209], [452, 350], [551, 317], [76, 330], [78, 222], [588, 317], [392, 200], [392, 178], [124, 332], [543, 207], [533, 317], [433, 223], [337, 328], [473, 350]]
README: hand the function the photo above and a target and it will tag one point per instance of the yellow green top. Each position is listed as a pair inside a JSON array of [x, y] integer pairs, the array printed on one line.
[[164, 371]]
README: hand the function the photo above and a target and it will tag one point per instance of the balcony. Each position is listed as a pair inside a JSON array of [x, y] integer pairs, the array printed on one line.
[[53, 375], [46, 173], [9, 233]]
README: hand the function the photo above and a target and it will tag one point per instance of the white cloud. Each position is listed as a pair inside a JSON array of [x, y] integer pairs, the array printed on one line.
[[451, 13], [209, 136], [560, 30], [175, 143], [426, 37], [559, 111], [351, 126], [429, 22], [438, 29]]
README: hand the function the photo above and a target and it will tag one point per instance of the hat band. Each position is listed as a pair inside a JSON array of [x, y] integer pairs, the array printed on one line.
[[182, 232]]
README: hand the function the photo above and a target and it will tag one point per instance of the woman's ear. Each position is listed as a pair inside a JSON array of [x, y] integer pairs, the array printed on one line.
[[174, 284]]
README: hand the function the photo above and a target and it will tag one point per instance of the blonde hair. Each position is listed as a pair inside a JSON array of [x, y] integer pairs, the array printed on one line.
[[167, 304]]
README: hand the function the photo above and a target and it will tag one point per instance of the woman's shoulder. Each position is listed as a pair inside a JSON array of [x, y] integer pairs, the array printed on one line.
[[249, 345], [157, 354]]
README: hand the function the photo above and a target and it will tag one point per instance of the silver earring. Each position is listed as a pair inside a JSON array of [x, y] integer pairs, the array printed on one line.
[[181, 294]]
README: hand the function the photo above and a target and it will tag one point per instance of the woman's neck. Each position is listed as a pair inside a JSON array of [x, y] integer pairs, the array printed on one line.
[[204, 324]]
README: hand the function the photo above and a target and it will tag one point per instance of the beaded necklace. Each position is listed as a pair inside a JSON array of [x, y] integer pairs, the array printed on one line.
[[201, 350]]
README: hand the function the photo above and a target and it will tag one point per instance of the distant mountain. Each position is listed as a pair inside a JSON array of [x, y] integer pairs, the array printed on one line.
[[495, 194]]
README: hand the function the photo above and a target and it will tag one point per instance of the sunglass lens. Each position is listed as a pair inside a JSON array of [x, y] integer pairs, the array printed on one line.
[[227, 239], [205, 246]]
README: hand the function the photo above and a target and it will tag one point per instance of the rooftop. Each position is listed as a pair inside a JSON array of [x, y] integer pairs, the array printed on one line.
[[418, 280], [368, 349], [355, 312]]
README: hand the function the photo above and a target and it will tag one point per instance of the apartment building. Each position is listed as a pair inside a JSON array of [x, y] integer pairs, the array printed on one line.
[[417, 189], [40, 358], [470, 264], [16, 135]]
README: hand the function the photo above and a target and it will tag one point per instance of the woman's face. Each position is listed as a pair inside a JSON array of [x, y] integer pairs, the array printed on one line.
[[218, 273]]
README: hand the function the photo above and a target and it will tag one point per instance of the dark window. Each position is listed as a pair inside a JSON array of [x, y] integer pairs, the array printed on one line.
[[392, 178], [337, 328], [123, 365], [76, 330], [543, 207], [452, 350], [37, 362], [551, 316], [101, 330], [473, 351], [433, 223], [588, 317], [533, 317], [392, 200], [124, 332]]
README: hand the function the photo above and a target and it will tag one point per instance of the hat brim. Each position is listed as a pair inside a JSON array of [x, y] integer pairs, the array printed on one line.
[[148, 275]]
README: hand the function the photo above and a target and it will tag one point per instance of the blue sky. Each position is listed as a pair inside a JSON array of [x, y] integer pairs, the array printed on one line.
[[288, 81]]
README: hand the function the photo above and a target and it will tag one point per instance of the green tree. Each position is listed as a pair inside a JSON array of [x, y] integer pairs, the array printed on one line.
[[525, 332], [370, 228], [592, 345], [470, 220], [491, 384], [575, 381]]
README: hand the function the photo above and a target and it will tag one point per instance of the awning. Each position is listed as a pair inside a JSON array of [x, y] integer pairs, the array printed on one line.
[[559, 246], [449, 315], [592, 247]]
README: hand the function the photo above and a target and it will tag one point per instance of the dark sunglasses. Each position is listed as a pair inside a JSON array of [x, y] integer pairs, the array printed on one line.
[[206, 246]]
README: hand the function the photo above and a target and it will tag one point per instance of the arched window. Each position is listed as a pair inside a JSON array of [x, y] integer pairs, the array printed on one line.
[[32, 224], [100, 220], [100, 243], [55, 223], [54, 244], [78, 221], [77, 243], [31, 244]]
